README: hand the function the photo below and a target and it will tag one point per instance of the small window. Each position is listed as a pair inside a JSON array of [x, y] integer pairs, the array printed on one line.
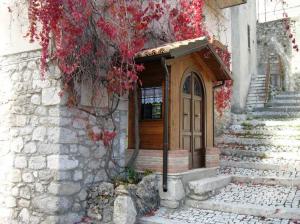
[[249, 39], [151, 99]]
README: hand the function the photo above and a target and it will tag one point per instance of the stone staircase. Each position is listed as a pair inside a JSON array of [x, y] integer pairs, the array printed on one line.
[[259, 177], [285, 104], [256, 94]]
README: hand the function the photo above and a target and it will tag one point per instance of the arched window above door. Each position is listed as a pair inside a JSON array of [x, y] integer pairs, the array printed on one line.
[[190, 81]]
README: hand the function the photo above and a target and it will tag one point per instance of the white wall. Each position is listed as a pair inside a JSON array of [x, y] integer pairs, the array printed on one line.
[[218, 23], [13, 28], [243, 60]]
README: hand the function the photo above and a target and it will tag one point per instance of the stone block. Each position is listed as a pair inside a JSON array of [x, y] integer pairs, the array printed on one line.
[[61, 162], [77, 175], [39, 134], [27, 177], [35, 99], [51, 204], [24, 216], [15, 175], [30, 148], [50, 96], [124, 210], [64, 188], [20, 162], [17, 144], [84, 151], [37, 162], [62, 135], [175, 190], [25, 192], [170, 204]]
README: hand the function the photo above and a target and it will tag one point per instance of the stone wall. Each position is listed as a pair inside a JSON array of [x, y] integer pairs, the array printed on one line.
[[46, 159], [274, 45]]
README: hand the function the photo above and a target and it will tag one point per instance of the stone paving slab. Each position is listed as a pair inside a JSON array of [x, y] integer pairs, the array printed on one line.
[[260, 148], [261, 165], [200, 216], [279, 161], [262, 195], [259, 173]]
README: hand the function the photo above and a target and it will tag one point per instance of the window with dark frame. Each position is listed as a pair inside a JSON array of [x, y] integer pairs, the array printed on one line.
[[249, 39], [151, 103]]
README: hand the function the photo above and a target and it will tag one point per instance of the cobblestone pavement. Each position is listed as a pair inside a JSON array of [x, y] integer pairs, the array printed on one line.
[[262, 195], [199, 216], [260, 173]]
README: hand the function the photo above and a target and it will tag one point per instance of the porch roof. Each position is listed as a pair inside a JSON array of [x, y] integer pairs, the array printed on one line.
[[181, 48]]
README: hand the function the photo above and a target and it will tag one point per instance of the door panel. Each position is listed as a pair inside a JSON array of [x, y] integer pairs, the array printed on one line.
[[192, 118], [186, 114], [186, 142]]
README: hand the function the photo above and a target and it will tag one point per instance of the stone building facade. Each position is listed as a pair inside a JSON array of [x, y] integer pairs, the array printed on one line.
[[46, 158], [275, 47]]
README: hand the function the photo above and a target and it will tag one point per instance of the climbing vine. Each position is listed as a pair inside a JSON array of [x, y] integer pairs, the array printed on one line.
[[224, 94], [95, 42]]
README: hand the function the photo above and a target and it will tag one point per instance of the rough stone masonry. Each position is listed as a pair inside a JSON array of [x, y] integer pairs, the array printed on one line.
[[46, 159]]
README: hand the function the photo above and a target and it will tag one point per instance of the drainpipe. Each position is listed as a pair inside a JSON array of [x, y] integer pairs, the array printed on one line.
[[215, 87], [166, 125]]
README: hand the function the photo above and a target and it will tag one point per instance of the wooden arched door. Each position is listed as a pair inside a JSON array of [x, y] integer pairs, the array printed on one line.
[[192, 119]]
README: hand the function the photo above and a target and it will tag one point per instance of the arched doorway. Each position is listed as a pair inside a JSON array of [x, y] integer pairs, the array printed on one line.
[[192, 119]]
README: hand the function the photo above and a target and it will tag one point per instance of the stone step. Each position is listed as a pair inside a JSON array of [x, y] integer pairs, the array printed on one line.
[[257, 90], [271, 181], [280, 109], [287, 97], [263, 140], [255, 98], [254, 199], [261, 165], [254, 94], [257, 84], [189, 215], [258, 78], [287, 93], [255, 123], [257, 173], [285, 104], [246, 209], [260, 148], [274, 114], [205, 188], [291, 156], [259, 131]]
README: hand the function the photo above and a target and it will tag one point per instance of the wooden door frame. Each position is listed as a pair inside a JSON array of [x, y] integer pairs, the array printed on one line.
[[199, 76]]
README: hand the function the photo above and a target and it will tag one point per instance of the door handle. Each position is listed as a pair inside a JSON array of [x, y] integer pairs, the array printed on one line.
[[185, 113], [197, 115]]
